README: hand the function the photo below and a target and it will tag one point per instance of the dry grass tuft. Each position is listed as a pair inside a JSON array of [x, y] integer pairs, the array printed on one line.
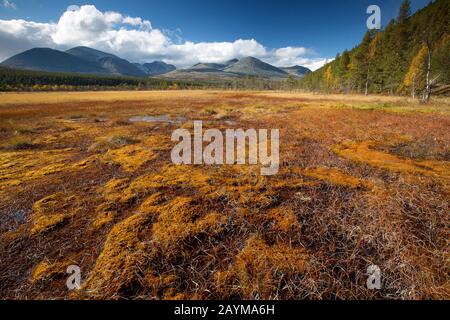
[[52, 211], [114, 142], [20, 144], [335, 177], [117, 267], [262, 271], [46, 270], [365, 152], [181, 219]]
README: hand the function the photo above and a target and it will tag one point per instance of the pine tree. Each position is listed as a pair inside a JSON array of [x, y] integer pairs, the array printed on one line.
[[404, 12], [291, 82], [342, 64], [371, 53], [441, 59], [359, 63]]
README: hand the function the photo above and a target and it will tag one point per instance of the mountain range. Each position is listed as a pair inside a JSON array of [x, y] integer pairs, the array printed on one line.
[[90, 61], [83, 60], [236, 68]]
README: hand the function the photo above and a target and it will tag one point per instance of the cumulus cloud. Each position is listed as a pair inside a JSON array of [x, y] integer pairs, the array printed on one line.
[[9, 4], [19, 35], [189, 53], [137, 40]]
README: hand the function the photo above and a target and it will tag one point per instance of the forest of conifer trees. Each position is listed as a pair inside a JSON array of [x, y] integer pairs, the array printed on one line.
[[409, 57]]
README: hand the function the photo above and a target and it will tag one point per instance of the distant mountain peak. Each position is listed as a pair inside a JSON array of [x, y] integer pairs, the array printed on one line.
[[297, 71], [232, 61], [156, 68], [47, 59], [254, 67]]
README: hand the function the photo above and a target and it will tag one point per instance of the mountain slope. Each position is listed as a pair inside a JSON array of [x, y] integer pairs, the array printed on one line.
[[297, 71], [156, 68], [250, 66], [89, 54], [200, 75], [206, 67], [46, 59], [109, 63]]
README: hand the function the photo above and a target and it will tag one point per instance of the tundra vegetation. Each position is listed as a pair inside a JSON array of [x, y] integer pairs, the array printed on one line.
[[362, 181]]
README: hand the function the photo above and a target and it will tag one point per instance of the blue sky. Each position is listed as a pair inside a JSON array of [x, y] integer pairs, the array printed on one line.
[[323, 27]]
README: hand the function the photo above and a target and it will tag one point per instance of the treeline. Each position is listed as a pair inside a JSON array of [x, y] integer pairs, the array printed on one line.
[[410, 56], [24, 80]]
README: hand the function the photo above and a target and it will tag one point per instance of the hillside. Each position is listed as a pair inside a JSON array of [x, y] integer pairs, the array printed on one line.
[[297, 71], [82, 60], [393, 60], [46, 59], [255, 67], [109, 63], [156, 68]]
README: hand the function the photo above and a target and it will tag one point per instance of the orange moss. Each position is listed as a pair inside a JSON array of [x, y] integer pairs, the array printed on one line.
[[130, 158], [151, 204], [157, 142], [102, 219], [365, 152], [85, 163], [52, 211], [283, 220], [243, 185], [133, 157], [262, 269], [46, 270], [171, 176], [180, 219], [19, 167], [118, 264], [336, 177], [116, 190], [163, 286]]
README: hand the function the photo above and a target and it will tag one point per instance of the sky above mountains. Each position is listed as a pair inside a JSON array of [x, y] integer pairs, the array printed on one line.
[[283, 33]]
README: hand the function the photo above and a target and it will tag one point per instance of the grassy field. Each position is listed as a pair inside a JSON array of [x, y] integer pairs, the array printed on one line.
[[363, 181]]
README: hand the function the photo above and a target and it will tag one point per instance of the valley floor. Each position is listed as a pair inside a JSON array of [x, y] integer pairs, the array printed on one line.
[[363, 181]]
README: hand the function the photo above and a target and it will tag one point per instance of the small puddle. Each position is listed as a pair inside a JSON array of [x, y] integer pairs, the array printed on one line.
[[161, 118]]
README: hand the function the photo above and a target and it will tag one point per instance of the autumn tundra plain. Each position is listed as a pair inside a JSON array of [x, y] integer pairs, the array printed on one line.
[[85, 181]]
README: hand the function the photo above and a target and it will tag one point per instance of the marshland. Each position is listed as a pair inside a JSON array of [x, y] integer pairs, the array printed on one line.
[[362, 181]]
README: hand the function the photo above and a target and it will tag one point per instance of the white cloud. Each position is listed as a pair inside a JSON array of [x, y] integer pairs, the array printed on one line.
[[9, 4], [19, 35], [189, 53], [138, 22], [135, 39]]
